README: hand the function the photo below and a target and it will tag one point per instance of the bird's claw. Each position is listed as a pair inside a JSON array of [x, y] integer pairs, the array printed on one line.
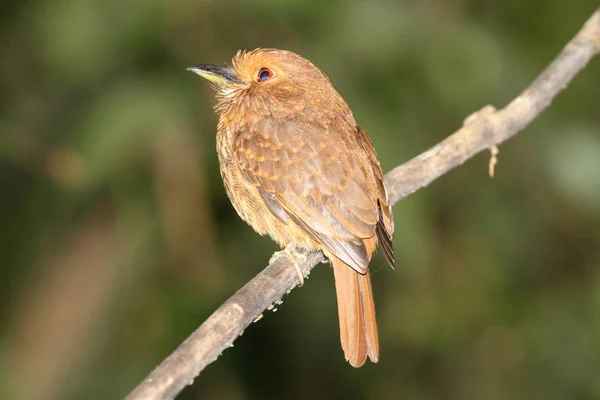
[[291, 253]]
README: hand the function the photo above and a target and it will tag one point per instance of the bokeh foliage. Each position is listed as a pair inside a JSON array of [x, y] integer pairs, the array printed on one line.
[[117, 239]]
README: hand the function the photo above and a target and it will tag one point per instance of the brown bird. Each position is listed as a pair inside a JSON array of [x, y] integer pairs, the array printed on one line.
[[298, 167]]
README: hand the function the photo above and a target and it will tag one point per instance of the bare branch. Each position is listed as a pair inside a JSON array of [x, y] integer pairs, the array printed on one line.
[[483, 130]]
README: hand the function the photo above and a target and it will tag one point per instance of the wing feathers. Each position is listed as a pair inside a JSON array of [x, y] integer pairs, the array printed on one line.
[[306, 172]]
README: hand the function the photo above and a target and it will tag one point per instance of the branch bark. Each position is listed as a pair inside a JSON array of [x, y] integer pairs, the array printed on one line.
[[482, 130]]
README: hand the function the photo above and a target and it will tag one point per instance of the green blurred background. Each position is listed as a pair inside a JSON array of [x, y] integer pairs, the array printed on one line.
[[117, 239]]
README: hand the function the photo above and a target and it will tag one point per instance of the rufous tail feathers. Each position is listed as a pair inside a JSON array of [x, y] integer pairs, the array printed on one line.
[[356, 311]]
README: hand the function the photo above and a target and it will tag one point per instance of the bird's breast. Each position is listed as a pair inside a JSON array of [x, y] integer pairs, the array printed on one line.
[[247, 201]]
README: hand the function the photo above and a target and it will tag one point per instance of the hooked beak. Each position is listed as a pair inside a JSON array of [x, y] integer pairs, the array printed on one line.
[[220, 75]]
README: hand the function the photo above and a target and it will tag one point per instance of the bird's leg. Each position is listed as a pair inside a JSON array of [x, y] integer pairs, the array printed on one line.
[[291, 253]]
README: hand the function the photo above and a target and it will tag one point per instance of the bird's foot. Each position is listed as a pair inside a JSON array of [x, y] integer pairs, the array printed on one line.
[[291, 253]]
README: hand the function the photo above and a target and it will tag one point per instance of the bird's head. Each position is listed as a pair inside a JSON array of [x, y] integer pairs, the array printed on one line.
[[267, 82]]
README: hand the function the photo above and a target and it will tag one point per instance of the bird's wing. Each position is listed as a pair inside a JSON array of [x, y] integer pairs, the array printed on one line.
[[385, 226], [318, 177]]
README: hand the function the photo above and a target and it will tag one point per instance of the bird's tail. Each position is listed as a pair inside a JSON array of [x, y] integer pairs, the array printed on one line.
[[356, 310]]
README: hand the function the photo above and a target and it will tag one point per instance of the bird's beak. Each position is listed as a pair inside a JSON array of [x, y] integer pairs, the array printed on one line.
[[220, 75]]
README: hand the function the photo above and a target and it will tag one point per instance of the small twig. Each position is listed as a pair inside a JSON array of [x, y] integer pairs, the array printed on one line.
[[484, 131], [493, 160]]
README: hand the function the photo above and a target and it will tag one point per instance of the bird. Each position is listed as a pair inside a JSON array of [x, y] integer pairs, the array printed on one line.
[[297, 166]]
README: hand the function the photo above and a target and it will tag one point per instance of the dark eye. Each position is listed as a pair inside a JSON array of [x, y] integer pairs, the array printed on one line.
[[264, 74]]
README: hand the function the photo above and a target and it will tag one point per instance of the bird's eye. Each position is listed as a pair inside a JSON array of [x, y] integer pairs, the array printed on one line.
[[264, 74]]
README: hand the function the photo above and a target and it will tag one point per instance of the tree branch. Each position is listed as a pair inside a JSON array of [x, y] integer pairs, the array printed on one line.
[[483, 130]]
